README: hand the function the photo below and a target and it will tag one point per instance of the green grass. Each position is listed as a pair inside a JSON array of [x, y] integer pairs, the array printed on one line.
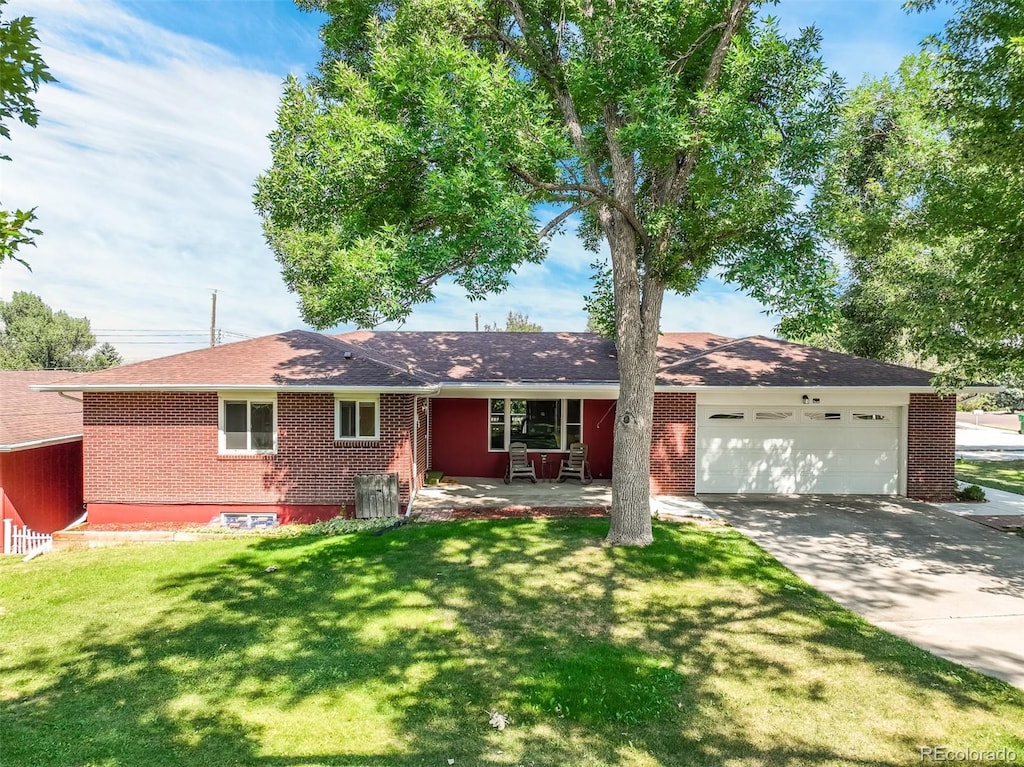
[[393, 650], [1002, 475]]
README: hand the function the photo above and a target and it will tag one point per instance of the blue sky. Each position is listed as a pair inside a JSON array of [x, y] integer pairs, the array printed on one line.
[[143, 164]]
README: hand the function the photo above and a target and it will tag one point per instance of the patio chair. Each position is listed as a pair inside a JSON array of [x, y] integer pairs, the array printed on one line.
[[519, 464], [576, 465]]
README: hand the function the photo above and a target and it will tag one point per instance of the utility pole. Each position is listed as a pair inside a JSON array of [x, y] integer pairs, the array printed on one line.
[[213, 318], [476, 319]]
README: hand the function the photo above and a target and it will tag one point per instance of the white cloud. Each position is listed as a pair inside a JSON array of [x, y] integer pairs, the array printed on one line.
[[724, 312], [142, 170]]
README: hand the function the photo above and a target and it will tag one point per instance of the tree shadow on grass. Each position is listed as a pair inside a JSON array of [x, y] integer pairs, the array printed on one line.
[[394, 650]]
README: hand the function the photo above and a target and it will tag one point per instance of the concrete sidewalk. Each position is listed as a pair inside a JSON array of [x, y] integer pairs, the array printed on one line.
[[984, 443], [998, 503]]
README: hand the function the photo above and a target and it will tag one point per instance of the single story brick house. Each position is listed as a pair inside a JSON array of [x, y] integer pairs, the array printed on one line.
[[283, 423], [40, 452]]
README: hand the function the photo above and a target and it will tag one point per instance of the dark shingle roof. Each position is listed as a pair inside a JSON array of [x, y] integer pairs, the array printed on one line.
[[419, 360], [30, 416], [497, 357], [293, 359], [519, 357]]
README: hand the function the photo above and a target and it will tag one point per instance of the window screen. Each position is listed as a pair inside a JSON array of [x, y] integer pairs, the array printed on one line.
[[357, 419]]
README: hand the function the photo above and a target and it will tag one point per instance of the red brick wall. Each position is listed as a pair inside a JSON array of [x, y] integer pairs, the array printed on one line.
[[931, 447], [673, 443], [162, 447]]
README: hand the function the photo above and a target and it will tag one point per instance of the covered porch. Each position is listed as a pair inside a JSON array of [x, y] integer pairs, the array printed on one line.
[[462, 495], [491, 493]]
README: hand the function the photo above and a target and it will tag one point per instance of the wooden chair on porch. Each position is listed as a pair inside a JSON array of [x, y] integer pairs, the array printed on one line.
[[576, 465], [519, 464]]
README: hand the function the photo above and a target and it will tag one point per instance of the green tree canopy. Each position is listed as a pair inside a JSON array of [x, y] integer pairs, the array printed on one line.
[[926, 195], [22, 70], [684, 133], [33, 336]]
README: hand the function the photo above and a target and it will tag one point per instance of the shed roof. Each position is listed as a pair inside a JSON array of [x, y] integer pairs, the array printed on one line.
[[30, 418]]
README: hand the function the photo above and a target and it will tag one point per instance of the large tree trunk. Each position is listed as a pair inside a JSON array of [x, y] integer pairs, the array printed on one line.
[[631, 463], [636, 318]]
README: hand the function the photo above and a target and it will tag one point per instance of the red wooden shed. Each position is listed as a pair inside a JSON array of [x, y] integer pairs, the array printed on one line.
[[40, 452]]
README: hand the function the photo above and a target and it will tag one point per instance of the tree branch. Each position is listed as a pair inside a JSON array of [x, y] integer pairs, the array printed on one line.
[[561, 92], [551, 225], [598, 193], [685, 164], [679, 63], [549, 186]]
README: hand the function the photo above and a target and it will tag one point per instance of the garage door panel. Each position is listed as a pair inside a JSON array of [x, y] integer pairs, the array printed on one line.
[[757, 442], [732, 482], [852, 438], [848, 461]]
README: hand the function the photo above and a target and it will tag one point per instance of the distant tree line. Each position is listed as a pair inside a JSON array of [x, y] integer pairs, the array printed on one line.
[[34, 337]]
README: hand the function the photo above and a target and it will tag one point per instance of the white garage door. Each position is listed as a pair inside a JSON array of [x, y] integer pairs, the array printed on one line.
[[798, 450]]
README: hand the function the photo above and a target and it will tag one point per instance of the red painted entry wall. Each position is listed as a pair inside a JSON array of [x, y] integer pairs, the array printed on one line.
[[42, 487], [459, 439]]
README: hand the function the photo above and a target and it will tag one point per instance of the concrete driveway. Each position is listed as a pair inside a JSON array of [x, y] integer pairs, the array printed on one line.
[[951, 586]]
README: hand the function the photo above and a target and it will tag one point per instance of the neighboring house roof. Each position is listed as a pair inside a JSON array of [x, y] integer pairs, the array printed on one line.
[[30, 418], [421, 361], [762, 361]]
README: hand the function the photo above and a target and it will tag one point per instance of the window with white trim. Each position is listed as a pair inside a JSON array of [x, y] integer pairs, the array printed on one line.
[[248, 424], [356, 418], [543, 424]]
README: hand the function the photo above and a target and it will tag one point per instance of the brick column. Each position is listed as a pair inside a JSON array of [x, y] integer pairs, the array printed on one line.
[[673, 443], [931, 447]]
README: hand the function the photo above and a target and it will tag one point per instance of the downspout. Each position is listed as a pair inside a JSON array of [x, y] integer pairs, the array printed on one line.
[[414, 489]]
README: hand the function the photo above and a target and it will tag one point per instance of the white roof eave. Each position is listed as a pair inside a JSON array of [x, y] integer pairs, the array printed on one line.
[[46, 442], [111, 388]]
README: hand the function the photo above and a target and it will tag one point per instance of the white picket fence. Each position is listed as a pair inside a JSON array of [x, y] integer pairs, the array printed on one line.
[[22, 540]]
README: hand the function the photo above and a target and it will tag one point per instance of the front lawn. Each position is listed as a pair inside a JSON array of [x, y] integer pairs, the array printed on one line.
[[1002, 475], [396, 650]]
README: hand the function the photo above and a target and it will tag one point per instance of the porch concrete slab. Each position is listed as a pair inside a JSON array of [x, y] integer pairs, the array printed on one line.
[[485, 492], [682, 507], [946, 584]]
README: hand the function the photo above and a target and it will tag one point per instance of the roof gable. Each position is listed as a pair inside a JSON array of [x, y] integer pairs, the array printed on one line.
[[771, 362]]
